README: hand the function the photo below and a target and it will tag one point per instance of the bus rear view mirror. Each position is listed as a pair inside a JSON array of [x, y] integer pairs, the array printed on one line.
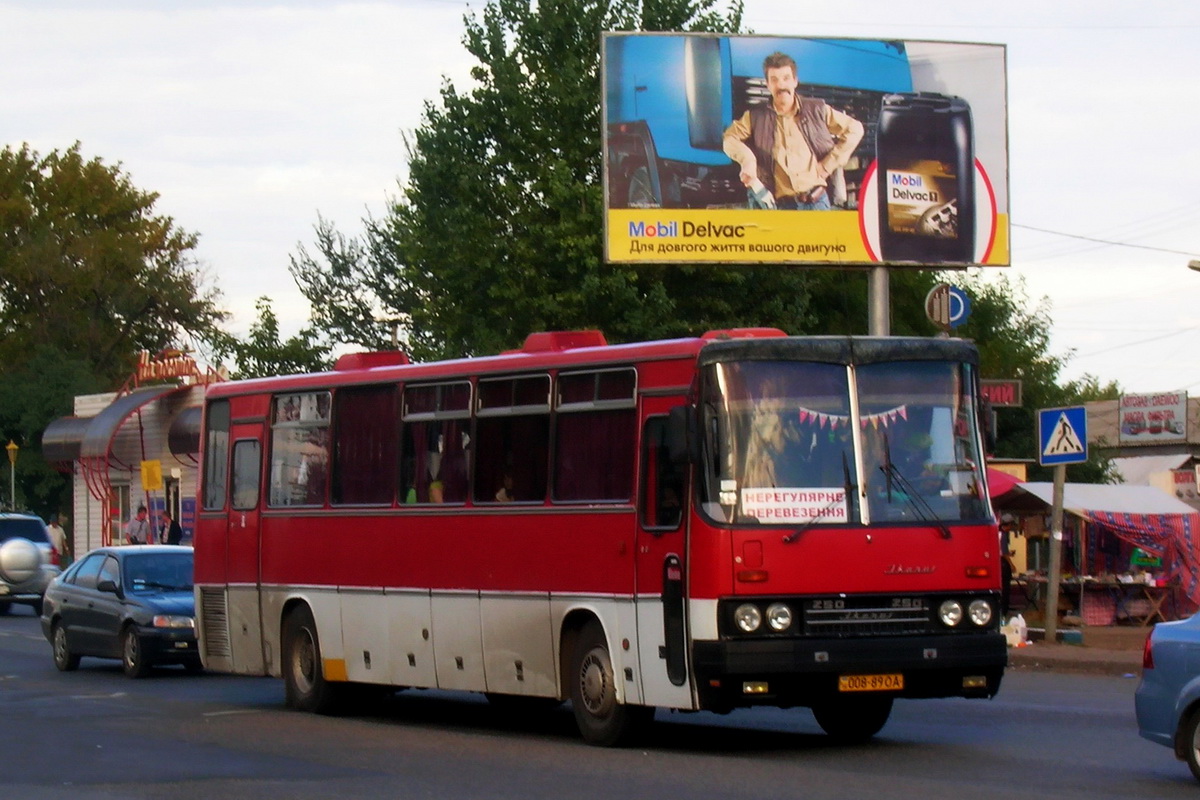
[[681, 435]]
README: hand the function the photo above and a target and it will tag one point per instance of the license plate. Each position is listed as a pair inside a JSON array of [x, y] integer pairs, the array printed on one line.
[[871, 683]]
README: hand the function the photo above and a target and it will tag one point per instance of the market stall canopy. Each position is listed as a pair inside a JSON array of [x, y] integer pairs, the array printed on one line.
[[1000, 482], [1080, 498], [1145, 516]]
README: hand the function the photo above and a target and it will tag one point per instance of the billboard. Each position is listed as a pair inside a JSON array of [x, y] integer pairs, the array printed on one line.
[[766, 149], [1152, 418]]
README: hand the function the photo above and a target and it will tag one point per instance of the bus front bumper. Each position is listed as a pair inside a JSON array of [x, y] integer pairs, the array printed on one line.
[[784, 672]]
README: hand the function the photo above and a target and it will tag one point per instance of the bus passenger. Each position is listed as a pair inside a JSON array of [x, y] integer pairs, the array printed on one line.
[[505, 493]]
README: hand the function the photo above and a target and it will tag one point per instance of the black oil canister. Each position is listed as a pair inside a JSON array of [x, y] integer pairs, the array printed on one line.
[[926, 177]]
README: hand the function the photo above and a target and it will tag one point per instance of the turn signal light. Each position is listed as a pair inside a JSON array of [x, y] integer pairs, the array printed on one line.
[[978, 572], [752, 575]]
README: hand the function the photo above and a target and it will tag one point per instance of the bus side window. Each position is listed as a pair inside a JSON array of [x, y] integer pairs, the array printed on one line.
[[216, 455], [246, 469], [662, 479]]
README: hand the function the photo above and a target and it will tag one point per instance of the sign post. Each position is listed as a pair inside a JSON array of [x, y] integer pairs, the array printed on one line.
[[1062, 440]]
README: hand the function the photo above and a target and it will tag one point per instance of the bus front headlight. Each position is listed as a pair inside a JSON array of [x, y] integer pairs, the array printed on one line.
[[980, 612], [779, 617], [951, 613], [748, 617]]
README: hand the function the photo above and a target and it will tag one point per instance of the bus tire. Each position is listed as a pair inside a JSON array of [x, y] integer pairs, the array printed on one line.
[[850, 720], [305, 687], [601, 718]]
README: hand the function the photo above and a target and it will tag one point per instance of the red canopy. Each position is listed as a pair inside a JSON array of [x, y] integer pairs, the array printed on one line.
[[1000, 483]]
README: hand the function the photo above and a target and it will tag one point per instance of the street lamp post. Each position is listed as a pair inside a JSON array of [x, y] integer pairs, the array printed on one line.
[[12, 449]]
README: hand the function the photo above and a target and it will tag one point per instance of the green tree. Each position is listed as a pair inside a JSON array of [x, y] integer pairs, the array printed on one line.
[[87, 266], [89, 276], [262, 353], [1013, 336], [497, 232]]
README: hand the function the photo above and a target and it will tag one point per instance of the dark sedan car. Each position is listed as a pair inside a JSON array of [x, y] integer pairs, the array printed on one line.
[[1167, 701], [134, 603]]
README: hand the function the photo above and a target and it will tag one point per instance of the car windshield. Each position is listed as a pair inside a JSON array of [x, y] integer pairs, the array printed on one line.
[[148, 573], [30, 528]]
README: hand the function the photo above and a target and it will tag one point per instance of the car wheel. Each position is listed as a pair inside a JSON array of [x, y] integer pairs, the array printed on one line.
[[602, 719], [64, 659], [133, 654], [851, 720], [305, 687], [1191, 743]]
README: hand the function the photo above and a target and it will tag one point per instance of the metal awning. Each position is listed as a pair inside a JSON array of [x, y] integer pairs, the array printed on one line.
[[75, 438]]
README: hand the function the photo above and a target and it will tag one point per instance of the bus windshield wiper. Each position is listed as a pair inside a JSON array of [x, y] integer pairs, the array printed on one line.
[[914, 498], [846, 485]]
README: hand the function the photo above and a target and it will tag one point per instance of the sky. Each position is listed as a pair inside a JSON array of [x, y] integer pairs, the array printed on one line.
[[254, 119]]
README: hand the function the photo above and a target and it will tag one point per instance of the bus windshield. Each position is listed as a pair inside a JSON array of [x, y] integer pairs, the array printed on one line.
[[792, 443]]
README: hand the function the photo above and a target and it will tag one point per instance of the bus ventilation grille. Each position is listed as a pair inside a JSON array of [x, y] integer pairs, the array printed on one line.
[[876, 616], [216, 623]]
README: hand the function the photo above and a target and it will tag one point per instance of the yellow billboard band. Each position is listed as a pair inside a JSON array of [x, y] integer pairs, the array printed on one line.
[[692, 236]]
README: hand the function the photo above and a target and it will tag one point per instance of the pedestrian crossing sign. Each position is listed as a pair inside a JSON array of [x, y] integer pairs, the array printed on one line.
[[1062, 436]]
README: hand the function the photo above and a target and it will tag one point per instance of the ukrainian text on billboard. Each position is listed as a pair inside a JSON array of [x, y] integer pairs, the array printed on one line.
[[760, 149]]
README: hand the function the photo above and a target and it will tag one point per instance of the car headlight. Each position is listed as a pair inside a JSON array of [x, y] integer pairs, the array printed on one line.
[[951, 612], [779, 617], [748, 617], [980, 612], [173, 621]]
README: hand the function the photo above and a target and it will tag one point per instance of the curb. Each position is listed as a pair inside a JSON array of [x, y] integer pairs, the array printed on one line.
[[1076, 658]]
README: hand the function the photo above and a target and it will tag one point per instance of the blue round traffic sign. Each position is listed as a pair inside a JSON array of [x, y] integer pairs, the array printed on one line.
[[960, 306]]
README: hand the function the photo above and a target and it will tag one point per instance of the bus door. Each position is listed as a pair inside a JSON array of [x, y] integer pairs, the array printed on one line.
[[661, 561], [242, 566]]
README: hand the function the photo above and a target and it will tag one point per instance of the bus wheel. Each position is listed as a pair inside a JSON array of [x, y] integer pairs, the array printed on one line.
[[601, 718], [305, 687], [850, 720]]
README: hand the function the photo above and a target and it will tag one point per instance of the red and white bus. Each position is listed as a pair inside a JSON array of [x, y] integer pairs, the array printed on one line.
[[739, 519]]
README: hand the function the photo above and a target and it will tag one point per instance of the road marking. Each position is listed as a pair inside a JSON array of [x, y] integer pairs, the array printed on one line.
[[232, 711], [112, 696]]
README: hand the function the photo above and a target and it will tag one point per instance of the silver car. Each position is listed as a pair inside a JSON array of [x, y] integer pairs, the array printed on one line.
[[28, 562]]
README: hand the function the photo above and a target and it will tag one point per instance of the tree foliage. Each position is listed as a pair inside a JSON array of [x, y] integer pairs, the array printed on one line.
[[497, 230], [1013, 336], [89, 276], [263, 353], [87, 266]]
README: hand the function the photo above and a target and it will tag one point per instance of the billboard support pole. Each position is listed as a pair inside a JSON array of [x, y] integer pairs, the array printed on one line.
[[878, 302]]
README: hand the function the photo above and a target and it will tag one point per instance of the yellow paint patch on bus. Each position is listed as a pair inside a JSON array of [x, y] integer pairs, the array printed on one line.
[[335, 669]]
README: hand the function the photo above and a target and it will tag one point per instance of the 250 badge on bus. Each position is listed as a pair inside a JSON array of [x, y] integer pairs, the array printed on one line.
[[890, 682]]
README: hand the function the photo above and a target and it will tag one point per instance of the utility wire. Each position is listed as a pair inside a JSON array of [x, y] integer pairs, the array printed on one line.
[[1106, 241]]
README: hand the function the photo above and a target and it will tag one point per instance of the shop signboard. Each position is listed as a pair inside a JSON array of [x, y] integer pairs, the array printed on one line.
[[900, 155], [1152, 418]]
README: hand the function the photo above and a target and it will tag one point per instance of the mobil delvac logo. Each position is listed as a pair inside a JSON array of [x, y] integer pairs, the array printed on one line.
[[655, 229], [660, 230], [911, 186]]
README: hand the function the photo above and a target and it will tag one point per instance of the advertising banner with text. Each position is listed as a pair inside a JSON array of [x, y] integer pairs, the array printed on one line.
[[1153, 418], [761, 149]]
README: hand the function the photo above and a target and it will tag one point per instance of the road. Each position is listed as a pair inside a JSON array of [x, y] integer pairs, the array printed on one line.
[[96, 734]]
